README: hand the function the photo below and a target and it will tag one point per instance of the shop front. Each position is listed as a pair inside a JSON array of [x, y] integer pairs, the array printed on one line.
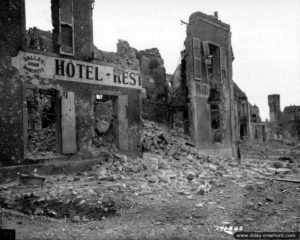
[[76, 108]]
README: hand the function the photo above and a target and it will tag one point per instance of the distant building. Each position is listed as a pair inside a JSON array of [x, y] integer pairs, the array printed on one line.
[[248, 121], [283, 125]]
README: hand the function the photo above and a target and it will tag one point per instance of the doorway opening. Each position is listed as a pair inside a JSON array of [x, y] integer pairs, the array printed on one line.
[[243, 130], [43, 121], [105, 115]]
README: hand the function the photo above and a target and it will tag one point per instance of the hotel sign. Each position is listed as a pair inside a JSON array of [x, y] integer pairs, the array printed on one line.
[[31, 64]]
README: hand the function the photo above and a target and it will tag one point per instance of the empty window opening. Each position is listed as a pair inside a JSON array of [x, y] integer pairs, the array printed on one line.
[[212, 63], [42, 107], [243, 131], [99, 97], [253, 118], [105, 122], [216, 120], [38, 14], [50, 26], [38, 25]]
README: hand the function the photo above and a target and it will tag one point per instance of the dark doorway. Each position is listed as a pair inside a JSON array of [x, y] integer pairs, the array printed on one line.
[[43, 121], [105, 121]]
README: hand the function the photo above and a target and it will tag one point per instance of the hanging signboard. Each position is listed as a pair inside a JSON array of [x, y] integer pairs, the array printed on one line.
[[76, 71]]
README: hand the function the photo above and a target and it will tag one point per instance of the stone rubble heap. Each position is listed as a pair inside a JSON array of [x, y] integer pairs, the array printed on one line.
[[42, 140], [170, 167], [167, 143]]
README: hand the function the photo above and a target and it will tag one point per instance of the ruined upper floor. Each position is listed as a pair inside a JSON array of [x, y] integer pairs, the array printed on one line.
[[71, 36]]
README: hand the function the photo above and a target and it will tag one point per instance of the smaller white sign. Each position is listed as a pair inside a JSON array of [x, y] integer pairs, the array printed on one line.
[[202, 89], [77, 71]]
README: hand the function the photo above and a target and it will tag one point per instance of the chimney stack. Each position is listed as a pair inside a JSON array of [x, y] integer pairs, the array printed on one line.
[[216, 15]]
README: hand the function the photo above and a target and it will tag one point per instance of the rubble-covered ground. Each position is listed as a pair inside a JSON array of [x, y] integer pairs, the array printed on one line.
[[173, 192]]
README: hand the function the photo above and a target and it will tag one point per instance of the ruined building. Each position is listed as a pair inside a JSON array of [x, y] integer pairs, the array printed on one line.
[[205, 85], [274, 106], [248, 121], [152, 73], [283, 125], [59, 97], [242, 116]]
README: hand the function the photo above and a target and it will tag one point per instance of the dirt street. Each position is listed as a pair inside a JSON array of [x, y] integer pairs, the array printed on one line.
[[162, 196]]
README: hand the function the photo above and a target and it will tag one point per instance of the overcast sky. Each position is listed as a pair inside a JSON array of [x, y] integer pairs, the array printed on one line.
[[265, 37]]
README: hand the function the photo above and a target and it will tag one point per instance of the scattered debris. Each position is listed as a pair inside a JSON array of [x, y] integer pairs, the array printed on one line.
[[31, 180], [168, 165]]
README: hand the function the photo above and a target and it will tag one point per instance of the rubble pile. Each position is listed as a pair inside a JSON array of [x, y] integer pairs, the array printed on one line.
[[270, 150], [170, 167], [170, 143], [41, 120], [62, 200], [104, 137], [42, 140]]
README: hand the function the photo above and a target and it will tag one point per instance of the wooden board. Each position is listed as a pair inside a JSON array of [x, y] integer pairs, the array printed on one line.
[[68, 127], [122, 122]]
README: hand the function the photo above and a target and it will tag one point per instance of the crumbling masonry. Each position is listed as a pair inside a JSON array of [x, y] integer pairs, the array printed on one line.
[[206, 85]]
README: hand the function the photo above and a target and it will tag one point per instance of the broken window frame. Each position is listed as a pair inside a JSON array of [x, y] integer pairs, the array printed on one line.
[[65, 49]]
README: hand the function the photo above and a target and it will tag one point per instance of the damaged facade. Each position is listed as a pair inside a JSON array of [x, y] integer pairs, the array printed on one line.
[[283, 125], [153, 75], [205, 85], [248, 121], [58, 98]]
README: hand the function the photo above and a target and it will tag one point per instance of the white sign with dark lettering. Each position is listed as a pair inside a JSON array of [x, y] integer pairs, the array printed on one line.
[[77, 71]]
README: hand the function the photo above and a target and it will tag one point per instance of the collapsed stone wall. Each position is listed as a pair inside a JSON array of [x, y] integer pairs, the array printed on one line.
[[178, 97], [125, 57], [153, 75]]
